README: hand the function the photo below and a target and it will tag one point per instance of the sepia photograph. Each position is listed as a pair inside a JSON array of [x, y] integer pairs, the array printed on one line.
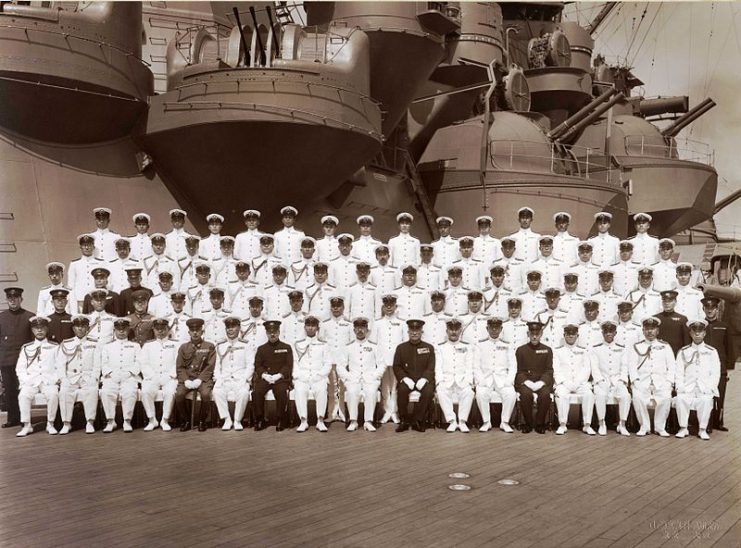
[[370, 273]]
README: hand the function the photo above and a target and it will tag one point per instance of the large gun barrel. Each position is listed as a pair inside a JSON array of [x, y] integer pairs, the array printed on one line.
[[688, 118], [245, 47], [257, 34], [664, 105], [564, 126], [584, 122]]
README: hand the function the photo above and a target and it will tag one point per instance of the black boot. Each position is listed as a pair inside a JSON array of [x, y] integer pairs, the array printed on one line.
[[185, 426]]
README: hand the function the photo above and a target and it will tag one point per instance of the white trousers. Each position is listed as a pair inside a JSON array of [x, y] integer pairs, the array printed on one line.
[[702, 403], [641, 399], [109, 398], [483, 399], [231, 390], [301, 391], [25, 399], [70, 393], [388, 390], [603, 391], [149, 395], [445, 396], [563, 401], [369, 391]]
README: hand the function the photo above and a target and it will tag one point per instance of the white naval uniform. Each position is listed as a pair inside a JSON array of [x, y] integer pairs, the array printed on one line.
[[646, 302], [253, 333], [590, 334], [385, 278], [456, 300], [288, 244], [235, 364], [210, 247], [403, 249], [445, 251], [454, 378], [247, 245], [388, 332], [214, 329], [317, 300], [565, 247], [364, 249], [197, 300], [80, 278], [588, 273], [697, 378], [300, 274], [276, 301], [362, 301], [665, 275], [494, 372], [429, 277], [651, 370], [187, 269], [527, 244], [608, 301], [515, 331], [473, 327], [175, 243], [45, 306], [76, 362], [513, 268], [495, 301], [101, 328], [312, 362], [645, 249], [614, 384], [473, 273], [411, 302], [37, 372], [105, 244], [486, 249], [689, 302], [573, 301], [292, 327], [435, 329], [327, 249], [224, 270], [118, 280], [157, 363], [605, 249], [532, 303], [178, 329], [553, 323], [361, 371], [572, 368], [261, 269], [119, 373], [238, 295], [161, 304], [140, 246], [342, 272], [551, 271], [628, 333], [337, 332], [625, 276]]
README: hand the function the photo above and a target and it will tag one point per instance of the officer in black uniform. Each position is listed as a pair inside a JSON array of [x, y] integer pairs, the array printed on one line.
[[534, 376], [414, 369], [195, 369], [140, 322], [673, 328], [134, 276], [112, 299], [60, 323], [719, 335], [273, 369], [15, 331]]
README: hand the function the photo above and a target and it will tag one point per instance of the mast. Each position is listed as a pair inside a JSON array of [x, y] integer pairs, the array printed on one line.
[[600, 17]]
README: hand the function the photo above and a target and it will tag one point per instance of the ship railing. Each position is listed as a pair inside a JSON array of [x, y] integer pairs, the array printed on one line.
[[184, 39], [678, 148], [576, 161]]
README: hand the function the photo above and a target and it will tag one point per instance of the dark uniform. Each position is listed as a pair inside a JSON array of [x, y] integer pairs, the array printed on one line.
[[272, 358], [673, 330], [719, 336], [140, 328], [534, 363], [15, 331], [60, 327], [126, 298], [416, 361], [112, 304], [195, 361]]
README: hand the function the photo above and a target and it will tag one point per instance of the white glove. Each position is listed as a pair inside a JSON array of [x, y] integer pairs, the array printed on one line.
[[421, 383], [266, 377], [188, 384], [197, 383], [277, 377], [409, 382], [530, 385], [538, 385]]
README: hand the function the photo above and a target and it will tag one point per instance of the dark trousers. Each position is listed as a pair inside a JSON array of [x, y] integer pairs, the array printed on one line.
[[280, 392], [10, 387], [420, 410], [526, 404], [181, 391], [721, 399]]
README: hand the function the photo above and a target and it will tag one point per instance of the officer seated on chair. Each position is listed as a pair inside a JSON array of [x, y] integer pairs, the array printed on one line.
[[534, 376], [273, 370], [414, 369], [195, 366], [572, 368]]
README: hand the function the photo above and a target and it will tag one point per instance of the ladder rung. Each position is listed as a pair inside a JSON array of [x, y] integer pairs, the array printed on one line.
[[8, 248], [7, 217], [10, 277]]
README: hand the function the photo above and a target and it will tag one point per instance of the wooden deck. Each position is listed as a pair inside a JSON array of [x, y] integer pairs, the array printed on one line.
[[362, 489]]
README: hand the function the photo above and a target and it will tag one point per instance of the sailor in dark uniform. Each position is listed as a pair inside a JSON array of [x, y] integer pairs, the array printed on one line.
[[195, 369], [15, 331], [273, 369], [112, 299], [140, 326], [673, 327], [719, 335], [134, 277], [60, 323], [534, 376], [414, 369]]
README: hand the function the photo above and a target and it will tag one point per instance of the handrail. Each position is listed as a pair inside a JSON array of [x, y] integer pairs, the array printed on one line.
[[692, 151]]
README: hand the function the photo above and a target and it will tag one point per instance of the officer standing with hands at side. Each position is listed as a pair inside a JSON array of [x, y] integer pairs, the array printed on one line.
[[15, 331]]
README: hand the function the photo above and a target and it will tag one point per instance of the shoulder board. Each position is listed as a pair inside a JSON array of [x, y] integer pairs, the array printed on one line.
[[483, 340], [599, 344], [75, 260], [684, 347], [332, 286], [620, 345], [442, 343], [462, 342], [99, 260], [661, 341], [68, 340], [51, 343], [503, 341], [27, 344]]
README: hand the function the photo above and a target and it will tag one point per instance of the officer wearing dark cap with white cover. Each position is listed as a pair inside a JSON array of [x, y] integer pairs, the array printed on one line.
[[414, 369], [15, 331]]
